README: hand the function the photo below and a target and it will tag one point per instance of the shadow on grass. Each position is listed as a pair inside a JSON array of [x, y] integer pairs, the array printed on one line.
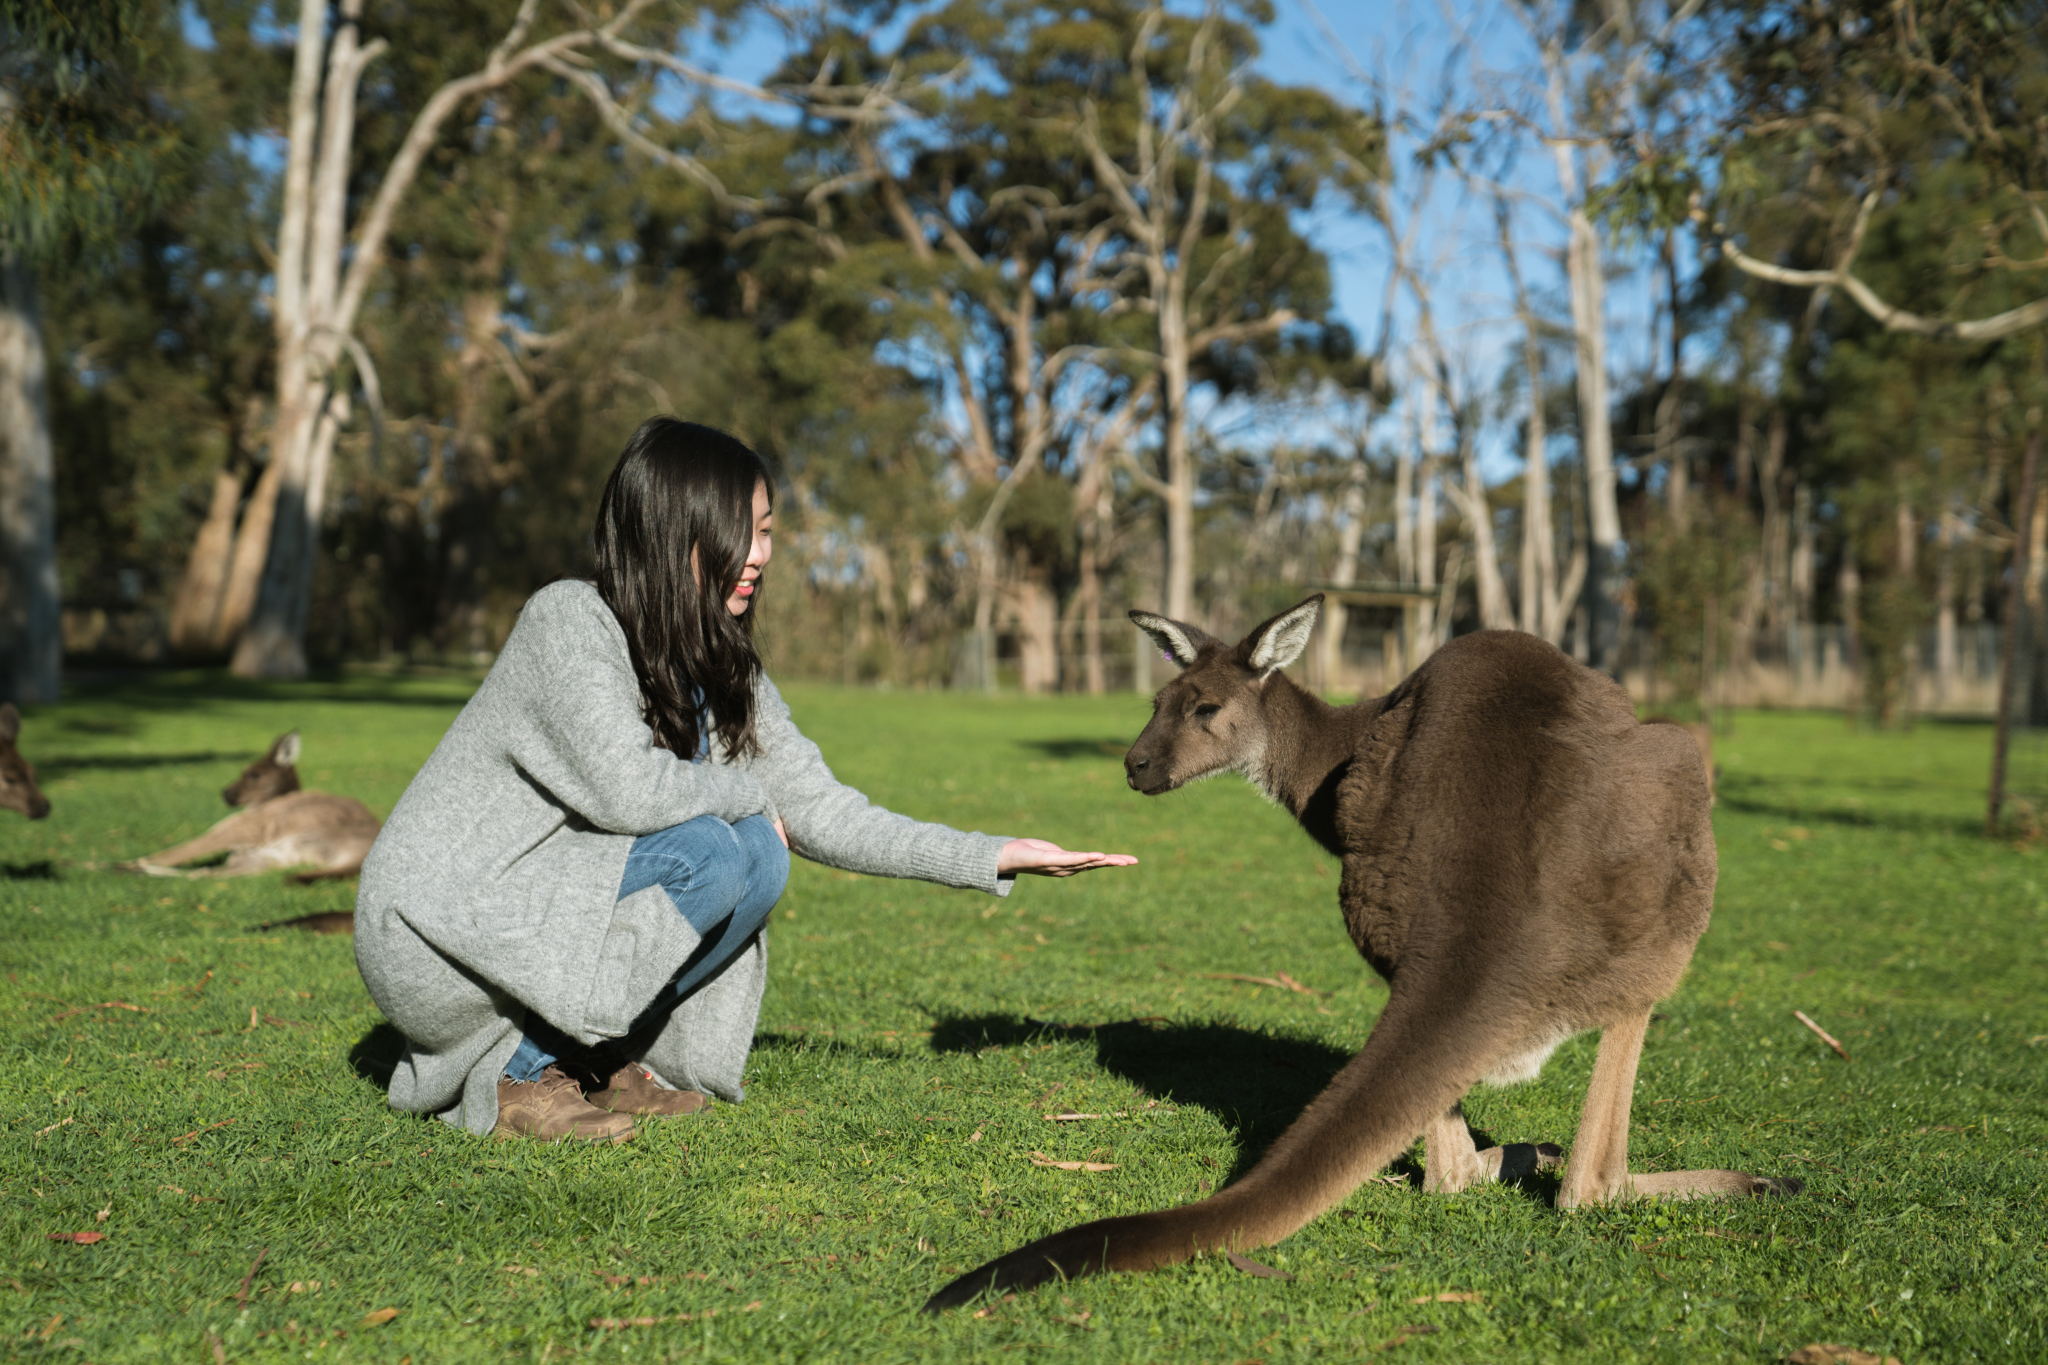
[[42, 870], [375, 1055], [1256, 1083], [188, 689], [60, 765], [1812, 801], [1077, 748]]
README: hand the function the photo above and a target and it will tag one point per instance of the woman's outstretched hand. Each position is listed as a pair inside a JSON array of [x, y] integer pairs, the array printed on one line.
[[1047, 859]]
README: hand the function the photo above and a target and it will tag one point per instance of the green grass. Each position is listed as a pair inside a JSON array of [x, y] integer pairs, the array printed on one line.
[[255, 1192]]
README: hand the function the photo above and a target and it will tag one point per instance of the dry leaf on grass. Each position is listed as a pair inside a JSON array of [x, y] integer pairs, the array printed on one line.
[[1041, 1159], [379, 1317], [1251, 1267], [1828, 1353], [84, 1239], [520, 1270], [1071, 1117], [985, 1310], [1450, 1296]]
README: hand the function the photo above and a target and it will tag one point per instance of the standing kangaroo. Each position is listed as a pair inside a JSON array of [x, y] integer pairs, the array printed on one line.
[[1522, 861], [18, 790], [282, 827]]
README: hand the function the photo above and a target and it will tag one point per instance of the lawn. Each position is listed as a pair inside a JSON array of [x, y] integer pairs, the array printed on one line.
[[207, 1094]]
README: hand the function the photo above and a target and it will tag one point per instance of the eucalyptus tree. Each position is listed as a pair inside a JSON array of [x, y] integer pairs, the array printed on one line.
[[327, 264], [83, 137]]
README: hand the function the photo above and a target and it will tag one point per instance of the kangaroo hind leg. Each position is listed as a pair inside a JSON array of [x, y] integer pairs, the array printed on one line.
[[1451, 1161], [1598, 1173]]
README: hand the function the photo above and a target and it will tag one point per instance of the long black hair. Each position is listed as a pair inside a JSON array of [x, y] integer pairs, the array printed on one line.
[[680, 490]]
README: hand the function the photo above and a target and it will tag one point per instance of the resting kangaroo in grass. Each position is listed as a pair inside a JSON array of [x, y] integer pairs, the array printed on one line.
[[282, 827], [18, 790], [1522, 861]]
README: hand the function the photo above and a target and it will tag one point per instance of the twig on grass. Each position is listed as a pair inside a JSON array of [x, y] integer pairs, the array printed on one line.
[[242, 1296], [55, 1126], [184, 1138], [1823, 1035], [1041, 1159], [1279, 981]]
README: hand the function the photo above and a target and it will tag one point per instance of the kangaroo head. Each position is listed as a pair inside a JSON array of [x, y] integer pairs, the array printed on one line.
[[18, 790], [270, 776], [1211, 719]]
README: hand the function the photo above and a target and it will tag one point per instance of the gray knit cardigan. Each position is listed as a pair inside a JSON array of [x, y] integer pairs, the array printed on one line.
[[493, 889]]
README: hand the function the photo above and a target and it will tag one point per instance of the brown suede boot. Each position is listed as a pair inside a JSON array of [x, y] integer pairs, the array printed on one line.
[[630, 1090], [553, 1108]]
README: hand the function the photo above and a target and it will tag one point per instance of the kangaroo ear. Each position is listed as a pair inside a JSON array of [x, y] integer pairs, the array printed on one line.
[[1180, 641], [1280, 641], [10, 723], [285, 752]]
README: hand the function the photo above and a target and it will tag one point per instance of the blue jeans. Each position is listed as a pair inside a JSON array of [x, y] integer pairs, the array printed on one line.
[[723, 879]]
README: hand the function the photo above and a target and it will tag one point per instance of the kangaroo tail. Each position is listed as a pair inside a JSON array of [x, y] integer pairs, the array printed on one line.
[[1409, 1073]]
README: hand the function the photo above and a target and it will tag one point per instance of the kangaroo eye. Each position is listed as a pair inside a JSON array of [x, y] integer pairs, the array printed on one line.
[[1206, 710]]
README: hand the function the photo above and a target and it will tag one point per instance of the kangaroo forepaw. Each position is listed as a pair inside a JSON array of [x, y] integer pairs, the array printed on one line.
[[1775, 1186]]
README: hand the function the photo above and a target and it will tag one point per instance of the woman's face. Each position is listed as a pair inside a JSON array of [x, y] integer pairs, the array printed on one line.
[[757, 557]]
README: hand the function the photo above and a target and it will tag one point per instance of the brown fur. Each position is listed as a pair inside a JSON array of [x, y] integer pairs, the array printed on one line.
[[1522, 861], [283, 827], [1702, 733], [18, 789]]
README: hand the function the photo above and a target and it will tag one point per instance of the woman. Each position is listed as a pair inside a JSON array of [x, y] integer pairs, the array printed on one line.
[[563, 913]]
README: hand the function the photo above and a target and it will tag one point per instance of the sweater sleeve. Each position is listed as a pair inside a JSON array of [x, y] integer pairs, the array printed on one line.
[[831, 823], [586, 742]]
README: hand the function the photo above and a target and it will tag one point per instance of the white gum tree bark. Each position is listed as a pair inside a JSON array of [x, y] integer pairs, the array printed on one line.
[[31, 636], [323, 274]]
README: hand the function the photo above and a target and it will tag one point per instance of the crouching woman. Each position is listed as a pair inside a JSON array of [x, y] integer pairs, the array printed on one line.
[[563, 914]]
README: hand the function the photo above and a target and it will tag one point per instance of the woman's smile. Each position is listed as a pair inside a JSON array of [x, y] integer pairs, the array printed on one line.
[[758, 554]]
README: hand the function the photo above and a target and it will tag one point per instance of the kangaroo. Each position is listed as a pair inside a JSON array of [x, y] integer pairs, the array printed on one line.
[[18, 790], [281, 827], [1522, 861], [1702, 733]]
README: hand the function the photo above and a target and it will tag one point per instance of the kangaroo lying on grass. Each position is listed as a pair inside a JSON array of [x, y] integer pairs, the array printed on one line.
[[18, 790], [282, 827], [1522, 861]]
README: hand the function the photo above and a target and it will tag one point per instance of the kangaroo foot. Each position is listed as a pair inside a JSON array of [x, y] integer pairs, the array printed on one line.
[[1712, 1185], [1681, 1185]]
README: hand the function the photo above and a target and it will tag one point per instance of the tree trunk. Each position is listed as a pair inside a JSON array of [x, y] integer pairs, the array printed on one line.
[[1494, 612], [1425, 557], [1945, 611], [1038, 629], [195, 612], [31, 633], [1350, 534], [1589, 322], [1671, 406], [1179, 471]]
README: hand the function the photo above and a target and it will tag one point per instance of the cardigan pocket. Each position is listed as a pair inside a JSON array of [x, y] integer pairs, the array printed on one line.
[[645, 946]]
